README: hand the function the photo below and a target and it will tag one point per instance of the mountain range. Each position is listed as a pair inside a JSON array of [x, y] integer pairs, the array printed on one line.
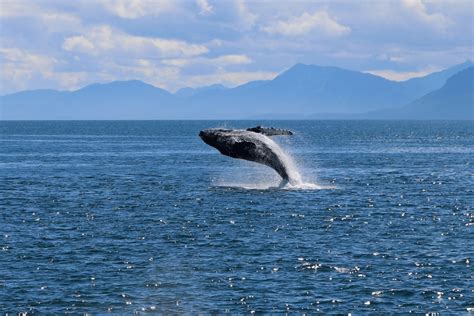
[[303, 91], [454, 100]]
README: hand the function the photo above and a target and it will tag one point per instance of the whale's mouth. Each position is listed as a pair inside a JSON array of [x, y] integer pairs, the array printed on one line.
[[208, 137]]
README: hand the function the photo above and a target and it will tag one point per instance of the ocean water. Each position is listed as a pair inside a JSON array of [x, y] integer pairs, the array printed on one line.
[[124, 216]]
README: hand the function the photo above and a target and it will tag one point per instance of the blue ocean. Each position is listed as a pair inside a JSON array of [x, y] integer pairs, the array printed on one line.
[[143, 217]]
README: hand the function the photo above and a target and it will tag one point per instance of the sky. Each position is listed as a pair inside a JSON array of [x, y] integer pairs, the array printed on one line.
[[172, 44]]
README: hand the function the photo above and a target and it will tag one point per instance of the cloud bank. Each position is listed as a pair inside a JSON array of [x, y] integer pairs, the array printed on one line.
[[173, 44]]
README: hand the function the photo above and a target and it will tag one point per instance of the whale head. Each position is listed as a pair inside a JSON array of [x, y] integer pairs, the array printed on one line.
[[212, 137], [224, 140]]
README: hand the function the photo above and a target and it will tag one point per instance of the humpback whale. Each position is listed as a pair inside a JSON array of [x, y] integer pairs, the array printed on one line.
[[251, 144]]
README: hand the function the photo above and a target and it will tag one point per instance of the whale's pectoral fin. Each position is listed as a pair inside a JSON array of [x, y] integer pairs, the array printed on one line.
[[269, 131]]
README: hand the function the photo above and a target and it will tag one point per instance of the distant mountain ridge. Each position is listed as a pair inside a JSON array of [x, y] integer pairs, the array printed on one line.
[[188, 92], [454, 100], [116, 100], [300, 92], [309, 89], [435, 80]]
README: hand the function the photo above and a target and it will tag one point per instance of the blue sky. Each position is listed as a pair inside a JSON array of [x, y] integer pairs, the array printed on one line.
[[173, 44]]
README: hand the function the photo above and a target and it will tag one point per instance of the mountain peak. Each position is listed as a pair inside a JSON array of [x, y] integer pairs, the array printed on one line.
[[465, 76], [122, 85], [298, 66]]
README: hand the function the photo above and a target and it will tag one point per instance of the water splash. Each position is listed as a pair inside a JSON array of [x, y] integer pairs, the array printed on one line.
[[295, 180]]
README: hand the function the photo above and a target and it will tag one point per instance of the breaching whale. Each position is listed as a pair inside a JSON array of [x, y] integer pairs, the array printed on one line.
[[251, 144]]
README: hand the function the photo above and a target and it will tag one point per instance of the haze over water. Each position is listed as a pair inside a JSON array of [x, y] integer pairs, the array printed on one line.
[[128, 216]]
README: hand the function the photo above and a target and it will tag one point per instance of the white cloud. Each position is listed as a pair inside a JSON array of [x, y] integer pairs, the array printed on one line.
[[405, 19], [23, 69], [177, 62], [147, 70], [78, 43], [220, 61], [402, 75], [132, 9], [418, 9], [231, 60], [18, 55], [63, 45], [68, 80], [56, 22], [104, 39], [52, 20], [247, 18], [204, 7], [319, 22], [18, 67], [10, 9]]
